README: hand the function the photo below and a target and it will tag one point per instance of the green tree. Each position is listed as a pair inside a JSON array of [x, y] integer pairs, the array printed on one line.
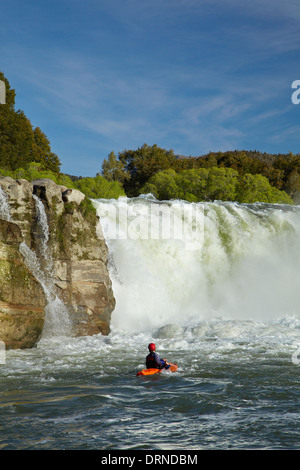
[[113, 169], [292, 184], [193, 184], [204, 184], [19, 143], [41, 151], [98, 187], [221, 184], [256, 188], [143, 163], [35, 170], [16, 138], [163, 185]]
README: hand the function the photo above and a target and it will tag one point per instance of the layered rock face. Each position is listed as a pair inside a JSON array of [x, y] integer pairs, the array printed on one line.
[[76, 256], [22, 299]]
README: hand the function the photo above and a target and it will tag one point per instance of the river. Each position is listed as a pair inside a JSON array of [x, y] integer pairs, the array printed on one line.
[[219, 296]]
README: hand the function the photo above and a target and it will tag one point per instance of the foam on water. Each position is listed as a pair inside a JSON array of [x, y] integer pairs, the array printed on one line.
[[219, 298], [184, 274]]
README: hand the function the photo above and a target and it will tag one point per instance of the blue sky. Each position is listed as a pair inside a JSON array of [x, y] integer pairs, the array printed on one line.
[[189, 75]]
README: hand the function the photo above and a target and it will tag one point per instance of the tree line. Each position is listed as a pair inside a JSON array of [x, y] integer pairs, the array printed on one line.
[[243, 176]]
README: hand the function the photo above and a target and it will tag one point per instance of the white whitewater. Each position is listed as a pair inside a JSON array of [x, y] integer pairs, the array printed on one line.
[[218, 260], [43, 224], [216, 286], [57, 319], [4, 206]]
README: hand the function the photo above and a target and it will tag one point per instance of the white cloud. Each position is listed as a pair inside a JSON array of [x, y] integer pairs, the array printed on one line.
[[191, 75]]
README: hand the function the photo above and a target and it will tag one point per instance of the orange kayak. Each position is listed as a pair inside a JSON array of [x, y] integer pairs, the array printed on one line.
[[172, 368]]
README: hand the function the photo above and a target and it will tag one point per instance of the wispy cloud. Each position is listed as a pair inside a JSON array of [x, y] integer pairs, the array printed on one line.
[[191, 75]]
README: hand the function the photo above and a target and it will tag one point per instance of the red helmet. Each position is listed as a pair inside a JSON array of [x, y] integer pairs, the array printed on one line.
[[151, 347]]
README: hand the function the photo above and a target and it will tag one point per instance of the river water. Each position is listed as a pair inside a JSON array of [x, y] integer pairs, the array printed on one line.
[[219, 298]]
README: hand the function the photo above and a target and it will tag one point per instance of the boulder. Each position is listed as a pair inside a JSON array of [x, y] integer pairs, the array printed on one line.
[[73, 195]]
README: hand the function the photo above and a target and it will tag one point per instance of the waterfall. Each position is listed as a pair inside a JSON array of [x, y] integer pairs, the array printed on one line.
[[219, 259], [57, 318], [4, 206], [43, 223]]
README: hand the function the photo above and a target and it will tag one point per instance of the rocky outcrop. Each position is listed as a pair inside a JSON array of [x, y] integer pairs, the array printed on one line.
[[21, 204], [22, 299], [76, 255]]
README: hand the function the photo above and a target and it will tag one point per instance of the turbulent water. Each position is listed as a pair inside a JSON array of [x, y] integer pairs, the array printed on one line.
[[216, 287]]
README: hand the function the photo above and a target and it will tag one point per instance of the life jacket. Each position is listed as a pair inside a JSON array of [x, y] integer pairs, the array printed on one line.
[[153, 361]]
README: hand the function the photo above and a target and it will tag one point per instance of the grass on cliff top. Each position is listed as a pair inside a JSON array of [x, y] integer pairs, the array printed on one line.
[[94, 188]]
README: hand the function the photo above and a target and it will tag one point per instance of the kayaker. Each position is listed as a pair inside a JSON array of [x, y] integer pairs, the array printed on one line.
[[153, 361]]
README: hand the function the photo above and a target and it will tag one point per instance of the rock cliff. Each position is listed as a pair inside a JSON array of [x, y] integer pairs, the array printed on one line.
[[75, 258], [22, 299]]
